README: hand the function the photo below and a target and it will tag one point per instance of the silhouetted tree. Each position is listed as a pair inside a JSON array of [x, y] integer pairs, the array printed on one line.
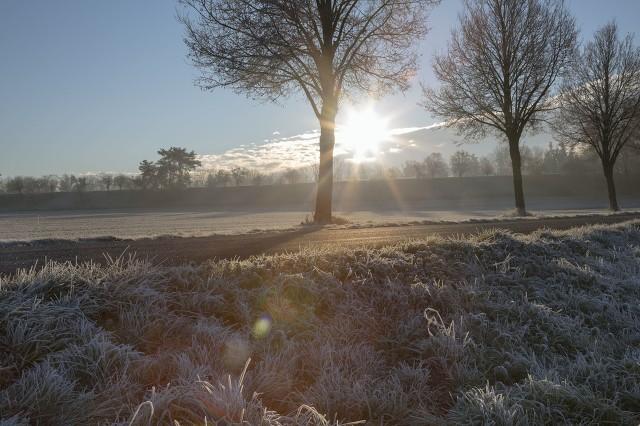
[[67, 182], [46, 184], [148, 175], [291, 176], [81, 184], [107, 181], [211, 180], [532, 160], [257, 178], [600, 100], [15, 185], [580, 163], [122, 181], [502, 160], [415, 169], [51, 183], [435, 165], [629, 161], [323, 48], [486, 167], [500, 68], [239, 175], [393, 173], [222, 178], [555, 158], [175, 166], [31, 185], [463, 163]]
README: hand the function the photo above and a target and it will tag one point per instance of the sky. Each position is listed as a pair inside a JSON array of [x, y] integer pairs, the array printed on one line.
[[98, 86]]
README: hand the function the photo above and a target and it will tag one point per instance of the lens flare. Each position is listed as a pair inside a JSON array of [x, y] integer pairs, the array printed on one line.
[[262, 327], [235, 353]]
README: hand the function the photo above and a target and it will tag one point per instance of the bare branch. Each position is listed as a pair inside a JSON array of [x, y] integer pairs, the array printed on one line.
[[324, 48]]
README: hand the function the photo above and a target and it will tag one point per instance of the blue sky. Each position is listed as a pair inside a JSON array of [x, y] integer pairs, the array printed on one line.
[[90, 85]]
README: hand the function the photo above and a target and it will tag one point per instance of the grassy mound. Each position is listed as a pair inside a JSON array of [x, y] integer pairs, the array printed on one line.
[[495, 329]]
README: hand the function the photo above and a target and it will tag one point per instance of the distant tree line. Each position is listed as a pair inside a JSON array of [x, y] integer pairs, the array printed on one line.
[[172, 171], [179, 169], [67, 183], [555, 159]]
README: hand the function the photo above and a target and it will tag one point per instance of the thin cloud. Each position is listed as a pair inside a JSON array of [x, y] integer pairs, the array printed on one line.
[[301, 150]]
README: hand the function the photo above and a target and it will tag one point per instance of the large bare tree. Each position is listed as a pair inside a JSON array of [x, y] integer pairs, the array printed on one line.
[[499, 70], [600, 100], [327, 49]]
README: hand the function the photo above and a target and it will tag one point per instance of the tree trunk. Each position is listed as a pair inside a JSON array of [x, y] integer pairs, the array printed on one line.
[[516, 165], [611, 188], [324, 194]]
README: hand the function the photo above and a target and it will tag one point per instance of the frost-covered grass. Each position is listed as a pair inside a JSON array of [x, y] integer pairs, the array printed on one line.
[[51, 227], [496, 329]]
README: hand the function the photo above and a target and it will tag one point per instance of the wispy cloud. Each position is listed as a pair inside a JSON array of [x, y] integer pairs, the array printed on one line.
[[272, 155], [398, 145]]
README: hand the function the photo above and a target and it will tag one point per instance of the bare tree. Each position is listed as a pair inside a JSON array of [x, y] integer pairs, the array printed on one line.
[[15, 185], [107, 181], [502, 160], [81, 184], [67, 182], [500, 68], [414, 169], [533, 161], [121, 181], [52, 183], [292, 176], [239, 175], [223, 177], [600, 100], [257, 178], [487, 167], [327, 49], [436, 166], [464, 163]]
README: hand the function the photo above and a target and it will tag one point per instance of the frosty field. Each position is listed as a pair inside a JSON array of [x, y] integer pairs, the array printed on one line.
[[493, 329], [137, 223]]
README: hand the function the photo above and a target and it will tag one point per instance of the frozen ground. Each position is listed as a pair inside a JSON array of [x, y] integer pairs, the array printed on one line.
[[149, 223], [494, 329]]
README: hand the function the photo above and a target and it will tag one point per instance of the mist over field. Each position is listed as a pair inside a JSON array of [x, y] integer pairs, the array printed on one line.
[[233, 210]]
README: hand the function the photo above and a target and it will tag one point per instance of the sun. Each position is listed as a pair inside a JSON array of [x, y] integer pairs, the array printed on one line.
[[363, 133]]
